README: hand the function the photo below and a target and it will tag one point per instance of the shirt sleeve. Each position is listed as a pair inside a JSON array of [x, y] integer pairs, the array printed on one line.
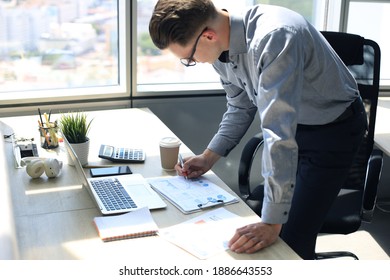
[[235, 121], [280, 62]]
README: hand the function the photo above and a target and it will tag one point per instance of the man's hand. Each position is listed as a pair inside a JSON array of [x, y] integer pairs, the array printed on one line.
[[254, 237], [196, 166]]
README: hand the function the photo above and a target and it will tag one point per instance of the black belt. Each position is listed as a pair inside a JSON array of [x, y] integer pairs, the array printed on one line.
[[355, 107]]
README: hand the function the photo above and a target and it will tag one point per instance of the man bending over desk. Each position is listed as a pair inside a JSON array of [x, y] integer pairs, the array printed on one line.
[[272, 61]]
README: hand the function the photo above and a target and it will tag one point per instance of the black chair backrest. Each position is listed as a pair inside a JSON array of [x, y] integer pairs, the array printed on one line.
[[362, 57]]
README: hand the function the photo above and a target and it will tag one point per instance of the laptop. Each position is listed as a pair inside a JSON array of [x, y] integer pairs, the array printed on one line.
[[117, 194]]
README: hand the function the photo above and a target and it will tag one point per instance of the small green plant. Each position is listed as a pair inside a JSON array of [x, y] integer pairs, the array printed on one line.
[[75, 127]]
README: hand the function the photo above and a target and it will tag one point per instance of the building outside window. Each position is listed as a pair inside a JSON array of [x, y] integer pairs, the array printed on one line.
[[47, 46]]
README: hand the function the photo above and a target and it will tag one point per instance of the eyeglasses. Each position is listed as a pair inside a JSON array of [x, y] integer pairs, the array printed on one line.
[[190, 60]]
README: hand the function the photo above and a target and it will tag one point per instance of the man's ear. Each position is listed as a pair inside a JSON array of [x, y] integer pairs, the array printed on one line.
[[210, 34]]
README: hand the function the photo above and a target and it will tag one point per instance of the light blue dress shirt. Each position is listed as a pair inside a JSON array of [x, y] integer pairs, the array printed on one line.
[[281, 67]]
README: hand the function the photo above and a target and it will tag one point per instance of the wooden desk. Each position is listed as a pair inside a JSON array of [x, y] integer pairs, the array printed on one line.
[[53, 217], [382, 126]]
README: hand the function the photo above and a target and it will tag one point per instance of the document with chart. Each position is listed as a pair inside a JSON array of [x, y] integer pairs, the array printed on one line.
[[191, 195], [205, 235]]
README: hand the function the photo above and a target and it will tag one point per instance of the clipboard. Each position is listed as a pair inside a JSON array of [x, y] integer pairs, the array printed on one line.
[[191, 195]]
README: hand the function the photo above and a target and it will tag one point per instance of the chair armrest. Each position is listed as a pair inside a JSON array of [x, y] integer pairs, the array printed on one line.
[[374, 169], [247, 156]]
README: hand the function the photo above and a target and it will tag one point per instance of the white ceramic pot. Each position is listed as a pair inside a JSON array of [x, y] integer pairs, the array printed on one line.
[[82, 152]]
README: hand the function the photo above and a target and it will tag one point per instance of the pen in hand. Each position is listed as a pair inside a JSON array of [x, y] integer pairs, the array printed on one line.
[[182, 164]]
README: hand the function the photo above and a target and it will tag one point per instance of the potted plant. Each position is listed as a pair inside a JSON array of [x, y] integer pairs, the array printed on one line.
[[75, 127]]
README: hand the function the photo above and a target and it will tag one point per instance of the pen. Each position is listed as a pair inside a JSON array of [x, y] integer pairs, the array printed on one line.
[[182, 164], [40, 116], [44, 134]]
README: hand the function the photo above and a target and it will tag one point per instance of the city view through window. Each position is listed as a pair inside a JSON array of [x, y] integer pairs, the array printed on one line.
[[70, 44], [161, 67], [48, 44]]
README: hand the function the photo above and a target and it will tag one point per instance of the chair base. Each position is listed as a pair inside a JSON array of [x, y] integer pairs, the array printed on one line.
[[332, 255]]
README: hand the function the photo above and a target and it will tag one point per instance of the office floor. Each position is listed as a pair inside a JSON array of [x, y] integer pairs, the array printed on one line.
[[371, 242]]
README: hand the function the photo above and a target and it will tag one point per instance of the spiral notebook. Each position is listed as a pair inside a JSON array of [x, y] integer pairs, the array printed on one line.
[[138, 223], [191, 195]]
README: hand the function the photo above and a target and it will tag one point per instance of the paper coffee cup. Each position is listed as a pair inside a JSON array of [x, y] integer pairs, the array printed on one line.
[[169, 151]]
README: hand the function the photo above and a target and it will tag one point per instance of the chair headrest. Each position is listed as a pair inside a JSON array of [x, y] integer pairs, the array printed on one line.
[[349, 47]]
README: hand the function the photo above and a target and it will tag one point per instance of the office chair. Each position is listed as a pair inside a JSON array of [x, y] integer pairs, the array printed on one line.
[[356, 200]]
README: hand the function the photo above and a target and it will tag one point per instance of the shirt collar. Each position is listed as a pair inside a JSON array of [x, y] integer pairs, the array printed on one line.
[[237, 44]]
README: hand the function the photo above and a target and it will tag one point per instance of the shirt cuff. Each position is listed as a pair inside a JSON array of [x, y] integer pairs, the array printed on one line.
[[220, 145], [275, 213]]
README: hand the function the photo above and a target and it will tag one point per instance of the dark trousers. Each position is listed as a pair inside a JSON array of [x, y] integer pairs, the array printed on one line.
[[326, 153]]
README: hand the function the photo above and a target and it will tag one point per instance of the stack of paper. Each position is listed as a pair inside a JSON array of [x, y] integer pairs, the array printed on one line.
[[205, 235]]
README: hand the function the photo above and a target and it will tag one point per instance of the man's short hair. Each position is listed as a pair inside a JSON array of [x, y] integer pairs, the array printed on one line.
[[177, 21]]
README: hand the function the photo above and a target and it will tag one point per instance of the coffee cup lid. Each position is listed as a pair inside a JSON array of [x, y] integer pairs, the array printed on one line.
[[170, 142]]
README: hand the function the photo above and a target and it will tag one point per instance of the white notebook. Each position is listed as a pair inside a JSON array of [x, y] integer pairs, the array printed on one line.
[[138, 223]]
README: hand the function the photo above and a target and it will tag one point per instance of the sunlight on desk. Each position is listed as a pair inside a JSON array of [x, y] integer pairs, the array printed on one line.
[[381, 126], [150, 250], [145, 249], [51, 190], [382, 132], [335, 242]]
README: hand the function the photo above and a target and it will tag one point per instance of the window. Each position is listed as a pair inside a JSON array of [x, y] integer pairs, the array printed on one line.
[[158, 70], [360, 13], [304, 7], [61, 49], [69, 50]]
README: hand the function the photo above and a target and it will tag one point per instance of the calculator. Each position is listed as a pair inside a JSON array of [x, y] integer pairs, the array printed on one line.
[[116, 154]]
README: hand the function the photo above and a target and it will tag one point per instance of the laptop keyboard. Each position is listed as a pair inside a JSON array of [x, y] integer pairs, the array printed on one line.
[[113, 194]]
